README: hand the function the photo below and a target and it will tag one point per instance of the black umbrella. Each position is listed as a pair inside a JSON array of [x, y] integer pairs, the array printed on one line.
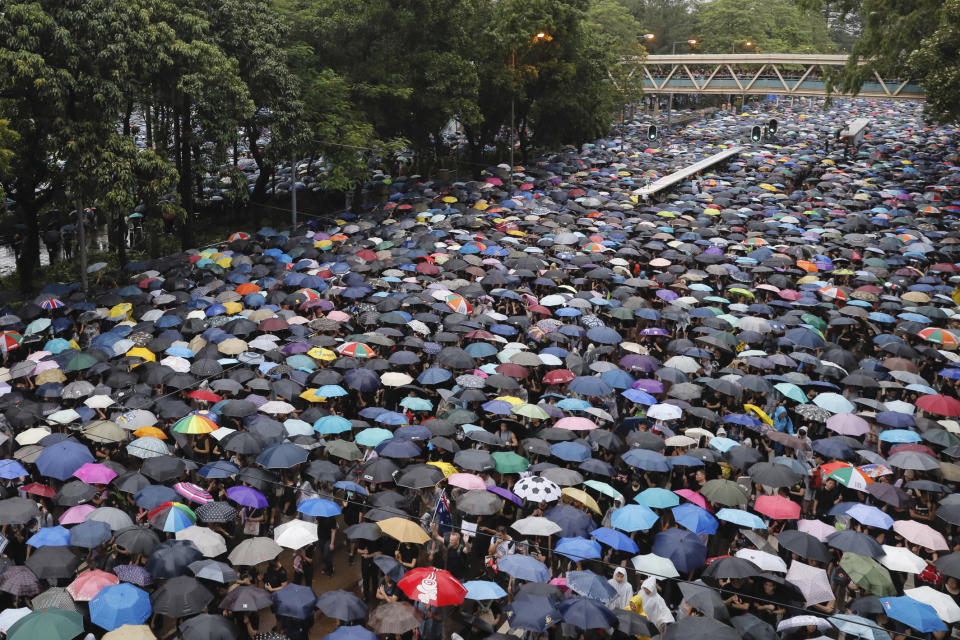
[[208, 626], [419, 476], [731, 567], [342, 605], [707, 600], [246, 598], [773, 475], [753, 628], [172, 558], [179, 597], [804, 545], [697, 627], [53, 562], [363, 530], [163, 468]]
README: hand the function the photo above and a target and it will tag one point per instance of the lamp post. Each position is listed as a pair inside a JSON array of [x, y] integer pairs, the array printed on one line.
[[541, 36], [673, 51]]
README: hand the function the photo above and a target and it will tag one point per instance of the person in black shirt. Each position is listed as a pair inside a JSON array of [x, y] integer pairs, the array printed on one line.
[[367, 549], [327, 539], [826, 497], [276, 577]]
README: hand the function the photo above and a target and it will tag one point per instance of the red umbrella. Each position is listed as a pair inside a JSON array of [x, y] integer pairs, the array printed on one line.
[[204, 396], [432, 586], [559, 376], [913, 446], [39, 490], [777, 507], [513, 370], [939, 405]]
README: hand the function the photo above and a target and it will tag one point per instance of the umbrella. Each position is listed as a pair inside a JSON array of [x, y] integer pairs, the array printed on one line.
[[394, 617], [532, 613], [867, 573], [118, 605], [180, 597], [252, 551], [945, 606], [725, 492], [207, 626], [812, 582], [47, 623], [89, 583], [431, 586], [246, 598], [683, 548], [917, 615], [524, 567], [697, 627], [804, 545], [342, 605], [586, 613]]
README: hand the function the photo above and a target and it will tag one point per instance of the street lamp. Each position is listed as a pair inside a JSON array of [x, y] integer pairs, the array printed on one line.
[[673, 51], [541, 36]]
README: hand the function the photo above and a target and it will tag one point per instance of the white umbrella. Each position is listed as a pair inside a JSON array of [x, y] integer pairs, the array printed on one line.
[[812, 582], [64, 416], [653, 565], [277, 407], [98, 402], [31, 436], [684, 363], [395, 379], [9, 616], [133, 420], [679, 441], [664, 412], [764, 560], [116, 518], [816, 528], [947, 610], [254, 551], [178, 364], [902, 559], [148, 447], [536, 526], [537, 489], [296, 427], [296, 534], [804, 621], [209, 542]]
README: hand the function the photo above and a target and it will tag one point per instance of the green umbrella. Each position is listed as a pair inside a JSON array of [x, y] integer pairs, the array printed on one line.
[[725, 492], [79, 362], [868, 574], [818, 322], [791, 391], [530, 411], [509, 462], [344, 449], [49, 624], [604, 488]]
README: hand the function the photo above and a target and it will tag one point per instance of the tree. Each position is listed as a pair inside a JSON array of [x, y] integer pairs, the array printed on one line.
[[775, 26], [8, 138], [668, 20], [936, 62], [615, 30]]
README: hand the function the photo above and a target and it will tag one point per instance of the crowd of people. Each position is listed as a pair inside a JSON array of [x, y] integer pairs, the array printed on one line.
[[532, 405]]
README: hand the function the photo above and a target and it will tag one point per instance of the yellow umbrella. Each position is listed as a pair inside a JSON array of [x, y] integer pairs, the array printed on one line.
[[120, 311], [757, 411], [767, 187], [232, 346], [404, 530], [447, 468], [309, 396], [224, 262], [232, 307], [150, 432], [513, 400], [141, 352], [50, 375], [582, 497], [741, 291]]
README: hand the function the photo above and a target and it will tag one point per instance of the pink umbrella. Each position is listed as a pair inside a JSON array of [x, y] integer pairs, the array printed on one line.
[[693, 497], [848, 424], [339, 316], [467, 481], [77, 514], [576, 424], [777, 507], [816, 528], [192, 492], [93, 473], [88, 584], [921, 534]]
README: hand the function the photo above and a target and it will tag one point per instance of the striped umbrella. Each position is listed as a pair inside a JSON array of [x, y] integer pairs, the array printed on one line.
[[10, 340], [172, 516], [195, 424], [192, 492], [309, 294], [354, 349], [238, 235], [940, 336], [458, 303], [835, 293]]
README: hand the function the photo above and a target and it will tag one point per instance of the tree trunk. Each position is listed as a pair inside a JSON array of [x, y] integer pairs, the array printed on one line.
[[29, 258], [126, 119], [149, 125], [259, 194]]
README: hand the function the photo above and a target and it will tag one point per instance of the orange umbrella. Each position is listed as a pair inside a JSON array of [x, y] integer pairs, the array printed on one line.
[[247, 287], [807, 266], [150, 432]]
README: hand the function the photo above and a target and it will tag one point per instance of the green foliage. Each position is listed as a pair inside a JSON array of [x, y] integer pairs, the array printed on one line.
[[773, 26], [937, 61], [615, 30], [669, 20]]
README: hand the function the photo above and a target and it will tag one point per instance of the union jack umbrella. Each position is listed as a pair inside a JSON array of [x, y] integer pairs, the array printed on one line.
[[52, 303]]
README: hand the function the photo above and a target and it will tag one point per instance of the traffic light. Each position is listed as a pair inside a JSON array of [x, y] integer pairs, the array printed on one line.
[[756, 134], [652, 133], [772, 126]]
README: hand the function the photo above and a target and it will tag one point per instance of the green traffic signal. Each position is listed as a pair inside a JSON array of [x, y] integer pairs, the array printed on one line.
[[772, 126], [652, 133], [756, 134]]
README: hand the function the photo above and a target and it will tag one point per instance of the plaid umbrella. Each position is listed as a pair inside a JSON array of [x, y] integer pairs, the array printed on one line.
[[19, 581]]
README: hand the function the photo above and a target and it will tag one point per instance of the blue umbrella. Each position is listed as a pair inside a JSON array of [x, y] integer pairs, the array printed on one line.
[[90, 534], [328, 425], [647, 460], [56, 536], [684, 461], [372, 437], [295, 601], [330, 391], [120, 604], [590, 386], [571, 451], [11, 469], [572, 521], [319, 508], [578, 548], [524, 568], [896, 419], [363, 380], [282, 455], [346, 485], [633, 517], [153, 495], [604, 335], [638, 396], [899, 436], [218, 469], [617, 378], [615, 539], [484, 590], [585, 613], [398, 448], [681, 547], [62, 459], [434, 375], [392, 418], [859, 627], [741, 518], [342, 605], [352, 632], [830, 448], [863, 513], [694, 518], [532, 613], [589, 584], [917, 615], [657, 498], [574, 404]]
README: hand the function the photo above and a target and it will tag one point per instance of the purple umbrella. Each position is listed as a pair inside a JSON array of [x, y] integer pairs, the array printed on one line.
[[134, 574], [506, 494], [247, 496], [650, 386]]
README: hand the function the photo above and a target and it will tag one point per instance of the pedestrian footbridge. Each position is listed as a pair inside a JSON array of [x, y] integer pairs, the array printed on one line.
[[760, 74]]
